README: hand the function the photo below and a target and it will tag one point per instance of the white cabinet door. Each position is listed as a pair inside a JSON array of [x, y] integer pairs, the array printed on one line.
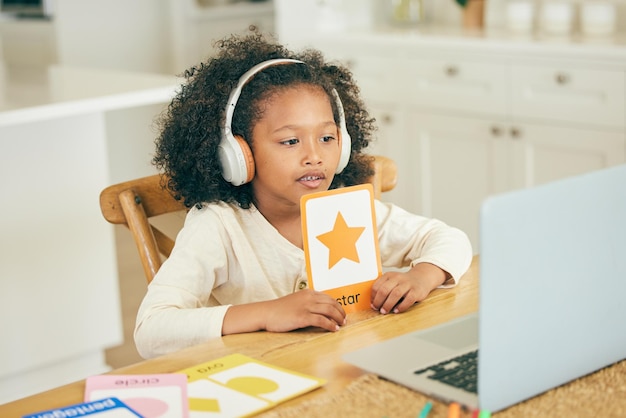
[[390, 140], [543, 153], [457, 162]]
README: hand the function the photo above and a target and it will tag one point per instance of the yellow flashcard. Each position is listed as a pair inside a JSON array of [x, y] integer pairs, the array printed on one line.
[[239, 386], [341, 244]]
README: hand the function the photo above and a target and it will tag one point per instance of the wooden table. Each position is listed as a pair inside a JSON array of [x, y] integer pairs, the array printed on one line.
[[308, 351]]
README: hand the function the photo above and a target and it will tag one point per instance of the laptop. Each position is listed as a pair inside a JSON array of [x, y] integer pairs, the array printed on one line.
[[551, 309]]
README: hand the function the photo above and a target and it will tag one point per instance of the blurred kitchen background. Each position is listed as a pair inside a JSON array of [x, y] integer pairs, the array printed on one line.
[[471, 99], [168, 36]]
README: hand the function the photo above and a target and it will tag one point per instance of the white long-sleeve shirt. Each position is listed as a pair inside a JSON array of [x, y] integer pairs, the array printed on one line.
[[225, 255]]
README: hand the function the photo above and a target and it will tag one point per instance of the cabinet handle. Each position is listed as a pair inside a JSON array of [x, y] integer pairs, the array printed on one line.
[[451, 70], [386, 119], [516, 133], [562, 78], [496, 130]]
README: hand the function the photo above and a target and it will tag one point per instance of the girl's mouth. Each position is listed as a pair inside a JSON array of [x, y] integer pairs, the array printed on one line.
[[311, 181], [310, 178]]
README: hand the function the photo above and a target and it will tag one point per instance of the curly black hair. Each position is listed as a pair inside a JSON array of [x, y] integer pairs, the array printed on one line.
[[191, 126]]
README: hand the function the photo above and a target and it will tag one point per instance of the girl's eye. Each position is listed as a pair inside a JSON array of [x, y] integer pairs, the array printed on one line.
[[292, 141], [328, 138]]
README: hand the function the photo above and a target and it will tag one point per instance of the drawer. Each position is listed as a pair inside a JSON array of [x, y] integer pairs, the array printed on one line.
[[582, 96], [459, 85], [377, 77], [374, 67]]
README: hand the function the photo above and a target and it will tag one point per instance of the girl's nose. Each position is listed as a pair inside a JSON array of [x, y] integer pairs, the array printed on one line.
[[313, 155]]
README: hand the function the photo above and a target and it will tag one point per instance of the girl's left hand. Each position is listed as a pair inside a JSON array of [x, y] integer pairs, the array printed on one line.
[[398, 291]]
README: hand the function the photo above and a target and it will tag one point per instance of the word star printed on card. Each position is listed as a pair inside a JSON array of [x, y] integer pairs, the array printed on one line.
[[341, 244]]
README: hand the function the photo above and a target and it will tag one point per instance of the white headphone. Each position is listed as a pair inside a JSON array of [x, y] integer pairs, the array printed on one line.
[[234, 152]]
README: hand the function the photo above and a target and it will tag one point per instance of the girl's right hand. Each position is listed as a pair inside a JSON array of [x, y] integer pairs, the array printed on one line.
[[304, 309]]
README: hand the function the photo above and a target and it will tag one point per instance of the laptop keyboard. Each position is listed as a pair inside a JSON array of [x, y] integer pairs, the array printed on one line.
[[460, 372]]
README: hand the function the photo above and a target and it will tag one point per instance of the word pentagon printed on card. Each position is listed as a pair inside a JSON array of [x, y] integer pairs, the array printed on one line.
[[101, 406], [349, 300]]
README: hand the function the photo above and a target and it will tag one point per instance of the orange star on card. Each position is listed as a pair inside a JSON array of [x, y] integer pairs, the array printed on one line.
[[341, 241]]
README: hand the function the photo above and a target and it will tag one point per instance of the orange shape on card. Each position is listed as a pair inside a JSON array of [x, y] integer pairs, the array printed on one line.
[[341, 241]]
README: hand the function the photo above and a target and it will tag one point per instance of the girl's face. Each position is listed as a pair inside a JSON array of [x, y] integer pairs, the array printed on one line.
[[296, 146]]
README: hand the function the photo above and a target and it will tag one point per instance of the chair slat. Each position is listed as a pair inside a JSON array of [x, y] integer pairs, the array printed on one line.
[[138, 224]]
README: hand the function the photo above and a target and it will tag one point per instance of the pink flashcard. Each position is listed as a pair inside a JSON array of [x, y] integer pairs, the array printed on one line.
[[151, 395]]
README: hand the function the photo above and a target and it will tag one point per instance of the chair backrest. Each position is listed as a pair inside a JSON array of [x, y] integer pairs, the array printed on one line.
[[385, 175], [134, 202]]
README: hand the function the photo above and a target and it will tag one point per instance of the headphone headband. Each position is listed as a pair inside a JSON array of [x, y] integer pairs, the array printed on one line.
[[233, 151], [243, 80]]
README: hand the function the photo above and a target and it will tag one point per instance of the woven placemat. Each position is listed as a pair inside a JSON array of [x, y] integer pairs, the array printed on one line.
[[601, 394]]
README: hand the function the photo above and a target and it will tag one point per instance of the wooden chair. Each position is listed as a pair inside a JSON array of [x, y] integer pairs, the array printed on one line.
[[134, 203], [385, 175]]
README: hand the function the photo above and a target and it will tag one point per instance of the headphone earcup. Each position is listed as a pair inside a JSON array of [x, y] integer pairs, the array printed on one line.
[[236, 160], [346, 149], [346, 140], [247, 157]]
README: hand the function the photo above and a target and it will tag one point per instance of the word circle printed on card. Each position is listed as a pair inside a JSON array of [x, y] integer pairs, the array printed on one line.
[[341, 244], [150, 395]]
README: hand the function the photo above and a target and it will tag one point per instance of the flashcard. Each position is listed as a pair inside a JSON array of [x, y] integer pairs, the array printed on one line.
[[210, 399], [237, 386], [341, 244], [102, 408], [151, 395]]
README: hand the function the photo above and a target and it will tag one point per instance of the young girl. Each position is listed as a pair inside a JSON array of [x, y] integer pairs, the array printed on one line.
[[252, 131]]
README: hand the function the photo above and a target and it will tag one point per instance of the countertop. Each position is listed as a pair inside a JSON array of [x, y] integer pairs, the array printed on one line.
[[610, 49], [29, 94]]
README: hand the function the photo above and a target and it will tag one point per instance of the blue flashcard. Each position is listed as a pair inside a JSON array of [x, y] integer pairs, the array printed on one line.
[[103, 408]]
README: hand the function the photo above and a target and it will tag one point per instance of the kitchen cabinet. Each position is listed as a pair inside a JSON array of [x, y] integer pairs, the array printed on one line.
[[388, 141], [463, 160], [468, 118], [196, 25], [574, 94], [447, 82]]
